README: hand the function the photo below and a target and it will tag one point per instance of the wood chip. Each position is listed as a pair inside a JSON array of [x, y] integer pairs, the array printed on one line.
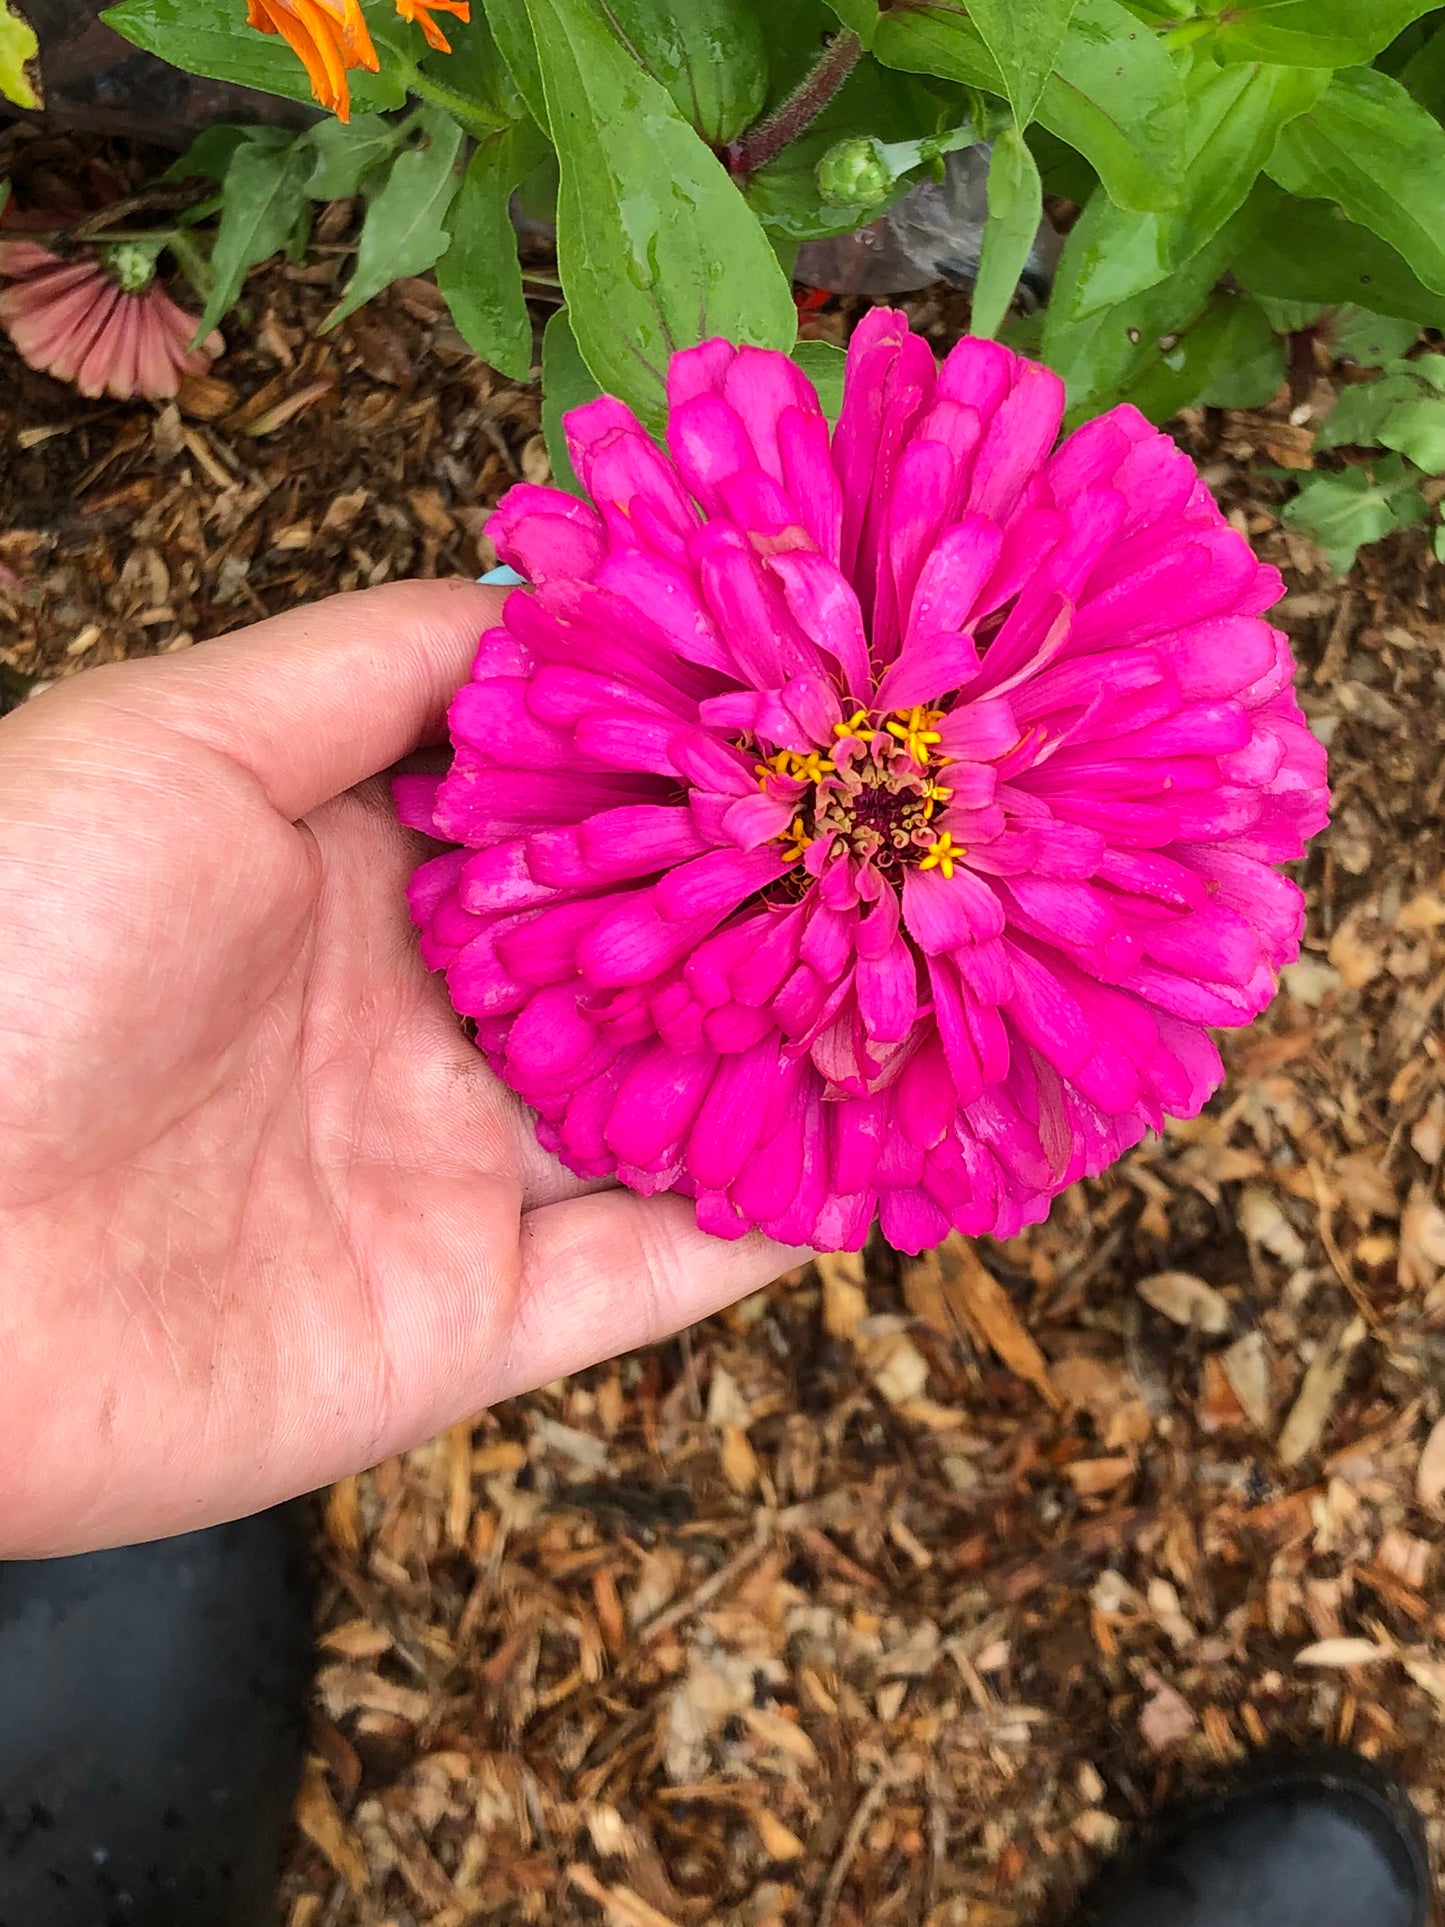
[[1167, 1717], [1342, 1652], [1304, 1428], [621, 1905], [845, 1301], [1430, 1472], [1264, 1223], [1246, 1366], [984, 1308], [1090, 1476], [321, 1822], [1187, 1300], [779, 1842]]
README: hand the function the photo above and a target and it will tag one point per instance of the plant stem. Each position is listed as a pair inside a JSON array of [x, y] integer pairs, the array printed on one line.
[[766, 138], [64, 237], [192, 262], [479, 121]]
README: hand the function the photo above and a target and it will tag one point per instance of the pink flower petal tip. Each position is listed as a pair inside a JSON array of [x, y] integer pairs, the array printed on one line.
[[867, 825], [73, 320]]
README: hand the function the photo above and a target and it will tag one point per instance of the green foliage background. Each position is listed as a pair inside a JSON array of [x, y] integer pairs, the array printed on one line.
[[1242, 171]]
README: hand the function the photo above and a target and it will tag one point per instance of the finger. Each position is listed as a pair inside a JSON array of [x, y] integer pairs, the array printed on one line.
[[316, 700], [602, 1275]]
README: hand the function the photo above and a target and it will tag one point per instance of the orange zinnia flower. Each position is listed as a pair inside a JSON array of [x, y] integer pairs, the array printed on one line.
[[329, 37], [421, 12]]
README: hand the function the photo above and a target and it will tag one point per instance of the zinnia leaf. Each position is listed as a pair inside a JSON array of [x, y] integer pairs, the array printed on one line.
[[264, 197], [1369, 146], [405, 229], [1015, 207], [657, 249], [479, 273]]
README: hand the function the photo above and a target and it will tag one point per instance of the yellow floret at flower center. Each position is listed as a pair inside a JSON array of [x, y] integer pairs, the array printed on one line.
[[875, 794]]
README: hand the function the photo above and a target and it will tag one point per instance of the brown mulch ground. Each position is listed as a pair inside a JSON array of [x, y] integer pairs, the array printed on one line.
[[898, 1593]]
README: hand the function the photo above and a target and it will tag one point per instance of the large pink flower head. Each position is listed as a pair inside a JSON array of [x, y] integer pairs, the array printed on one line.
[[867, 826]]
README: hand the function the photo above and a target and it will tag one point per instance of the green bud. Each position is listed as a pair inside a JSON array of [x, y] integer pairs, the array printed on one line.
[[856, 173], [131, 263]]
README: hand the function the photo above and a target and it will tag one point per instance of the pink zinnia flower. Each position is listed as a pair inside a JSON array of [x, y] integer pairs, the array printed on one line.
[[101, 320], [867, 827]]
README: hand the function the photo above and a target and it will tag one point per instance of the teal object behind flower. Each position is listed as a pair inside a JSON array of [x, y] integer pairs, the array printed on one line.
[[867, 826]]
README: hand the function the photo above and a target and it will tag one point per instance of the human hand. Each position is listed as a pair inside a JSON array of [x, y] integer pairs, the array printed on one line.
[[265, 1216]]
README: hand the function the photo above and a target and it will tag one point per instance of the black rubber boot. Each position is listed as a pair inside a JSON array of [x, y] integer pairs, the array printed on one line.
[[1319, 1840], [152, 1712]]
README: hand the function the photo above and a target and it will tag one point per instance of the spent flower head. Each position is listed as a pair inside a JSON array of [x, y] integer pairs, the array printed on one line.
[[99, 319]]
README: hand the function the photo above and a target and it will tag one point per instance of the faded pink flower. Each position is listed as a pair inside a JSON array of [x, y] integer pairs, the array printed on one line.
[[100, 320], [867, 827]]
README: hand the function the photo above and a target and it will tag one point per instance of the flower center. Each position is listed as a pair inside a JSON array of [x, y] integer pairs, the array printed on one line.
[[875, 795], [132, 263]]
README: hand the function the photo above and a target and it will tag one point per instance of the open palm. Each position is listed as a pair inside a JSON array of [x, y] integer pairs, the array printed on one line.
[[265, 1216]]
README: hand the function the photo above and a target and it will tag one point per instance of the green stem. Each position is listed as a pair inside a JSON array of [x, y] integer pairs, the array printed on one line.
[[766, 138], [63, 237], [903, 156], [191, 260], [479, 121]]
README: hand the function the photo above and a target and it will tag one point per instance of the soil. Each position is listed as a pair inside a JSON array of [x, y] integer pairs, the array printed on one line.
[[902, 1591]]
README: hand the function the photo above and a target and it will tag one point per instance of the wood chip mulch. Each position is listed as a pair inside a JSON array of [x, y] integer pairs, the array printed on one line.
[[902, 1591]]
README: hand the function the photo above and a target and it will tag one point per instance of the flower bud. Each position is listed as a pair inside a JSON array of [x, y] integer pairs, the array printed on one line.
[[856, 173]]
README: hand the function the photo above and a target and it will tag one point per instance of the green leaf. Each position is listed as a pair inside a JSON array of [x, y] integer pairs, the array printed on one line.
[[1344, 511], [1427, 368], [479, 273], [1370, 339], [405, 229], [1104, 356], [476, 68], [1025, 41], [1439, 542], [1246, 362], [656, 247], [1235, 114], [1310, 33], [1417, 430], [860, 15], [210, 37], [1310, 251], [264, 193], [824, 365], [566, 384], [1289, 317], [211, 152], [710, 55], [512, 30], [1423, 74], [1366, 144], [1015, 207], [1403, 409], [344, 153], [19, 58], [1114, 94], [1227, 357]]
